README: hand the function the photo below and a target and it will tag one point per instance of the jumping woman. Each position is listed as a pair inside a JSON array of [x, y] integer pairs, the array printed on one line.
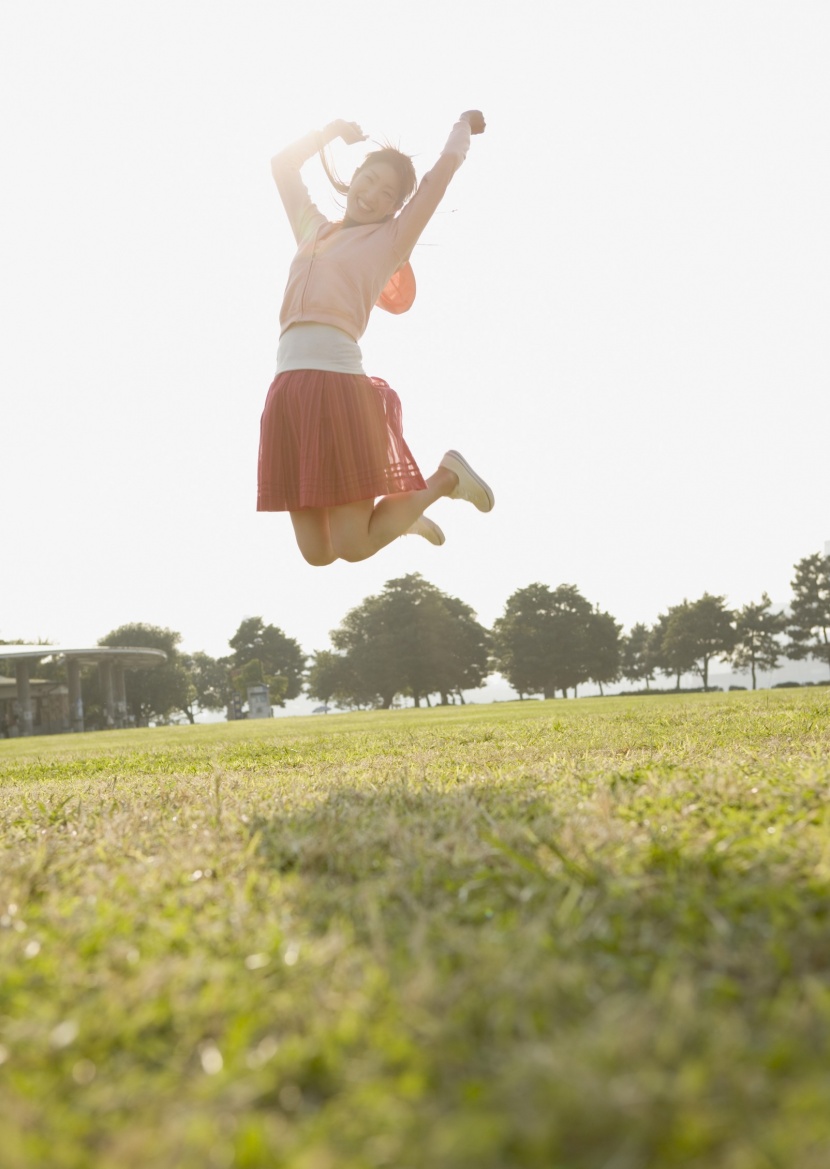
[[332, 451]]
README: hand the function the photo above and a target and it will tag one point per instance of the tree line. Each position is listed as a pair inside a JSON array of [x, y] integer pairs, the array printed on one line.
[[416, 642]]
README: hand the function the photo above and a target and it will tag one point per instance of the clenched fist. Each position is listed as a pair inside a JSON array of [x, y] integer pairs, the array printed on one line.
[[476, 120]]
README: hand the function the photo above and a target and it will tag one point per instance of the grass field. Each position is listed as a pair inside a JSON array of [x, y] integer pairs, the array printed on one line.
[[591, 934]]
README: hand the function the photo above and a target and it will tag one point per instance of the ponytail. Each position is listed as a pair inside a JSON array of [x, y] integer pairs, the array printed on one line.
[[331, 174]]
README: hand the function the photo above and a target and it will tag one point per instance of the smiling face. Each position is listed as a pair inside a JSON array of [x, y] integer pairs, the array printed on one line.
[[374, 194]]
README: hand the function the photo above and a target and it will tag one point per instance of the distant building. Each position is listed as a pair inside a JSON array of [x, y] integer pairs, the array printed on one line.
[[50, 707], [259, 702], [35, 706]]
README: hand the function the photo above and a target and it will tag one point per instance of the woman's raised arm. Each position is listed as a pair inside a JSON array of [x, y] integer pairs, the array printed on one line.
[[432, 187], [302, 214]]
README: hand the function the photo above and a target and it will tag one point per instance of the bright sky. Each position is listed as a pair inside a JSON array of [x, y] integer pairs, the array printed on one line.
[[621, 319]]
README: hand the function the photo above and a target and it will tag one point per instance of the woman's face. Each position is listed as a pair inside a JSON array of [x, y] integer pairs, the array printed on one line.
[[374, 194]]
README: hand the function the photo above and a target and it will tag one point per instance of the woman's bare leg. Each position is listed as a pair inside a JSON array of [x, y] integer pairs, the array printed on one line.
[[359, 530], [313, 533]]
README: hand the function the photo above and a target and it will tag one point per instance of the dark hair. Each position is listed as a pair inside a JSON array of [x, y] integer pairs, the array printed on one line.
[[401, 163]]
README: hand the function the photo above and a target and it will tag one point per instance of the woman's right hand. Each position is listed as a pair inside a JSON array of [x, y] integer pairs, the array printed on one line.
[[476, 120], [350, 132]]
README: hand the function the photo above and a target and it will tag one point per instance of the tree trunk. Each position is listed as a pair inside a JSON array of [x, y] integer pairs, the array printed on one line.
[[753, 673]]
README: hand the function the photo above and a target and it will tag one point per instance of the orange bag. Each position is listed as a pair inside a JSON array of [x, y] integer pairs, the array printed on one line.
[[399, 293]]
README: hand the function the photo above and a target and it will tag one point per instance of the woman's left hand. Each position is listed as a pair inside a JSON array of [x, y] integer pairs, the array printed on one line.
[[476, 120]]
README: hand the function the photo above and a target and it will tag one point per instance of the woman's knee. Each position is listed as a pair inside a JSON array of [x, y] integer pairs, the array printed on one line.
[[316, 557], [352, 551], [349, 531], [311, 531]]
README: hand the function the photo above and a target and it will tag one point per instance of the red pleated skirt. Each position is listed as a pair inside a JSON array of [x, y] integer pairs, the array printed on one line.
[[331, 438]]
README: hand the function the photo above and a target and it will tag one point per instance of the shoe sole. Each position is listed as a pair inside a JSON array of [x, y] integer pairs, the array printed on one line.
[[477, 479], [433, 534], [436, 531]]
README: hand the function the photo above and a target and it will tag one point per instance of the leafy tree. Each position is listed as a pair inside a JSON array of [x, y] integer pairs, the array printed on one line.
[[370, 642], [464, 650], [672, 655], [412, 639], [809, 621], [636, 661], [153, 693], [282, 661], [520, 638], [541, 642], [700, 630], [209, 683], [756, 645], [602, 649], [331, 678], [323, 677]]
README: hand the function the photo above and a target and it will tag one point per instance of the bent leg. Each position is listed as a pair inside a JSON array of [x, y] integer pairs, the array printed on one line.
[[313, 535], [349, 530], [359, 530]]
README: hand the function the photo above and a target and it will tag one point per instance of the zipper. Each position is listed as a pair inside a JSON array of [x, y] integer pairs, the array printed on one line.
[[308, 270]]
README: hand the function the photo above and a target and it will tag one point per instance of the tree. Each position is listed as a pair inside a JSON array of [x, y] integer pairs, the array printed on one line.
[[331, 678], [541, 642], [698, 631], [756, 646], [602, 648], [809, 621], [209, 683], [154, 693], [672, 654], [282, 661], [367, 639], [464, 650], [413, 640], [636, 661]]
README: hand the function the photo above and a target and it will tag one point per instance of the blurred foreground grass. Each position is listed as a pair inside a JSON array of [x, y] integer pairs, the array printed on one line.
[[566, 935]]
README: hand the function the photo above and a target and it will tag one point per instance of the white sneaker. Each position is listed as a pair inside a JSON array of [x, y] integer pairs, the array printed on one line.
[[428, 529], [470, 485]]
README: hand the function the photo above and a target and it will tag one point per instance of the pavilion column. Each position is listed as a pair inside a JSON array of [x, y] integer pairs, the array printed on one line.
[[120, 692], [24, 696], [76, 702], [105, 674]]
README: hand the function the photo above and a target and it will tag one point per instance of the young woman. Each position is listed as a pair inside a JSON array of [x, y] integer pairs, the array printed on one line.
[[331, 441]]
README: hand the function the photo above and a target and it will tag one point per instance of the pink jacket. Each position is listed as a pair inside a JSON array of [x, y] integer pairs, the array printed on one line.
[[339, 273]]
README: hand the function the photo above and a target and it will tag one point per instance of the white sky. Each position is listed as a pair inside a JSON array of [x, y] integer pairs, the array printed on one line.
[[622, 316]]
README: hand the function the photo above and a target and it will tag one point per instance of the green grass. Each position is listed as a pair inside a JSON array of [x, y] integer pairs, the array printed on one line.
[[565, 935]]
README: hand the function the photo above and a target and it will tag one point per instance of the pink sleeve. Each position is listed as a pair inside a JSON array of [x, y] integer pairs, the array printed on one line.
[[431, 189], [303, 215]]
